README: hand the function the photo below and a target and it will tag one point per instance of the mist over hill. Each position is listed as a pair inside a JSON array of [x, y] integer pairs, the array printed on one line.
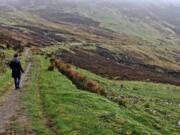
[[133, 31], [92, 67], [164, 11], [100, 1]]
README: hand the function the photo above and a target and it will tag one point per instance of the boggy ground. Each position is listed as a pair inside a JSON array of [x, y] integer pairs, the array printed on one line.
[[103, 63]]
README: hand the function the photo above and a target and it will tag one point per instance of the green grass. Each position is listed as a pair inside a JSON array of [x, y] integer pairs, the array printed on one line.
[[149, 108], [71, 111], [153, 105], [55, 106], [32, 102], [5, 74], [152, 32], [6, 80], [114, 19], [52, 99]]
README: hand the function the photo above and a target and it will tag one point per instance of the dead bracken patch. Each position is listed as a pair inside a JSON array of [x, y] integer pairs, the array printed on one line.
[[78, 79], [107, 66], [87, 84]]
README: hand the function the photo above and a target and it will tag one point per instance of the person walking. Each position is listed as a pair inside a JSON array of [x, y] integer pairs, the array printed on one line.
[[17, 70]]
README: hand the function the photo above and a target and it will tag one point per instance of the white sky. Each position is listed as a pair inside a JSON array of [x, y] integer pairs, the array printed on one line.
[[136, 1]]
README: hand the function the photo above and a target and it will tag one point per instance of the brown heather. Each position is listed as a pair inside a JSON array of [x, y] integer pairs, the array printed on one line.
[[78, 79]]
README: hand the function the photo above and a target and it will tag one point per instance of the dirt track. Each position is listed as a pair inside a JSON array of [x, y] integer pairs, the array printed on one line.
[[10, 104]]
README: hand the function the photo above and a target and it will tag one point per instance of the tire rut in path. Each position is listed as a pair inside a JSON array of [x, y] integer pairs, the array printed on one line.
[[46, 121], [9, 105]]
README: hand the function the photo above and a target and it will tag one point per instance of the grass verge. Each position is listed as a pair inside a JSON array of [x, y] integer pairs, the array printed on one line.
[[56, 106], [32, 101], [71, 111]]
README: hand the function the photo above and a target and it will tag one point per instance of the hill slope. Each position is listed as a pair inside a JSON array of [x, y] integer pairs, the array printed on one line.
[[135, 29], [107, 43], [144, 109]]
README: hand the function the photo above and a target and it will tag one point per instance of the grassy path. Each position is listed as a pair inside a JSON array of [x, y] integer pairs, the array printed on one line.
[[71, 111], [50, 104], [9, 104], [150, 108], [5, 77], [31, 101]]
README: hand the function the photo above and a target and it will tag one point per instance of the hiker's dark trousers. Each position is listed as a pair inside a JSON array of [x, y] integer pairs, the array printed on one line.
[[17, 81]]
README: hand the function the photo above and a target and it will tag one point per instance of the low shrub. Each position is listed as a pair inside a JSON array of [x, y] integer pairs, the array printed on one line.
[[78, 79], [122, 102], [36, 50], [51, 68], [114, 94]]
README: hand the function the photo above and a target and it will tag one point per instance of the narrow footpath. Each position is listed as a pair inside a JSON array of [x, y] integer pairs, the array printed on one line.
[[10, 102]]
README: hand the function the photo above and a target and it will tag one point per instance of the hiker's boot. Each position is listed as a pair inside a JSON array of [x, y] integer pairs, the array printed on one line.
[[17, 87]]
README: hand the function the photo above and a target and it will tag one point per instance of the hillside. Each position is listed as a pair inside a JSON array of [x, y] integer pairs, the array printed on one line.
[[105, 24], [48, 107], [91, 67], [51, 104]]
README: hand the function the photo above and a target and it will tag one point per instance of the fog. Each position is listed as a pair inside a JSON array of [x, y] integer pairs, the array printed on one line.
[[120, 3], [111, 1]]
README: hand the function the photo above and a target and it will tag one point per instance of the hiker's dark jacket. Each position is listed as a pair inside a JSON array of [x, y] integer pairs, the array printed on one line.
[[16, 67]]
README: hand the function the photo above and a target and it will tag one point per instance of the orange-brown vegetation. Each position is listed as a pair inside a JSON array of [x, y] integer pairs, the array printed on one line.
[[78, 79], [85, 83], [36, 50], [106, 65]]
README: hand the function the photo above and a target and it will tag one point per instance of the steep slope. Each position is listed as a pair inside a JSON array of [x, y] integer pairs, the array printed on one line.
[[128, 30], [69, 110]]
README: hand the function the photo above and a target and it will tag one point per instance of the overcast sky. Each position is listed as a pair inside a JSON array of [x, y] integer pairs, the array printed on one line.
[[132, 1]]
